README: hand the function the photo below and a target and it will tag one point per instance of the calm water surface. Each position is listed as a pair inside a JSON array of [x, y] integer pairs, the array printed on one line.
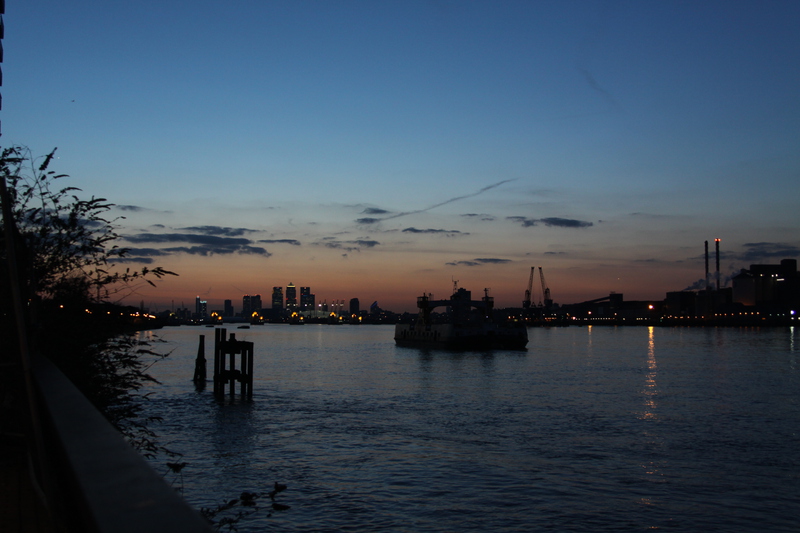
[[591, 429]]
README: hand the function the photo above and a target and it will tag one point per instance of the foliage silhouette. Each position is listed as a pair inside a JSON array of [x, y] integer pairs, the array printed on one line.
[[66, 274]]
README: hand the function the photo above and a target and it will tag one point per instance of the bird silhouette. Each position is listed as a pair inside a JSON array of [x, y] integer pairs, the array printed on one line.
[[280, 507], [279, 487], [176, 467]]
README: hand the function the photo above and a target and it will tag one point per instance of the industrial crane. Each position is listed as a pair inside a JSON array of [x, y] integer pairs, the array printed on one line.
[[526, 303], [548, 302]]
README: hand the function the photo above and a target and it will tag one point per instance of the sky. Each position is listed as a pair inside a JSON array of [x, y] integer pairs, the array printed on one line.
[[379, 150]]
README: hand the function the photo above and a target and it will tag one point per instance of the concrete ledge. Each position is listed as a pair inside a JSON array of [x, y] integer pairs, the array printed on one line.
[[116, 489]]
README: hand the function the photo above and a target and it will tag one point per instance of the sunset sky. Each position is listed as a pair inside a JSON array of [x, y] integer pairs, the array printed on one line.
[[379, 149]]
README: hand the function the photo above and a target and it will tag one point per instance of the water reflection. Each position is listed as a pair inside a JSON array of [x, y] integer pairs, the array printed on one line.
[[650, 391], [235, 432], [503, 441]]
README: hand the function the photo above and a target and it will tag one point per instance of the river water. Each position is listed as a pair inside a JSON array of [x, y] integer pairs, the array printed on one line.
[[590, 429]]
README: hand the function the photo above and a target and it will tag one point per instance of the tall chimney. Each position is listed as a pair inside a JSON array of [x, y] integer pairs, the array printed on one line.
[[717, 242], [707, 288]]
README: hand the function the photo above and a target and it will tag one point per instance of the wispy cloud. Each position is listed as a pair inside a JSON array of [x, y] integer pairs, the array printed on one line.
[[551, 222], [432, 230], [526, 222], [186, 237], [479, 261], [462, 263], [140, 255], [137, 209], [480, 216], [139, 260], [760, 251], [134, 208], [293, 242], [374, 211], [219, 230], [566, 222], [590, 79], [219, 250], [203, 244], [147, 252], [350, 246]]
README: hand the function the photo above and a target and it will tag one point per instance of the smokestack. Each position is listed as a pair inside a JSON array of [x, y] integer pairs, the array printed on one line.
[[717, 242], [707, 265]]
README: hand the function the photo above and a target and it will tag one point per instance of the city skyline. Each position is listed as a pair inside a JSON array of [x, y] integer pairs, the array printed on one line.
[[380, 151]]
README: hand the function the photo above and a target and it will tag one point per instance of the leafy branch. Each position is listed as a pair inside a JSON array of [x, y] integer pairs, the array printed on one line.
[[66, 243]]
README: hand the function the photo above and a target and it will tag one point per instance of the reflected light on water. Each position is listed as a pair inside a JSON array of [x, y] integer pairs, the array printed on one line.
[[650, 391], [572, 435]]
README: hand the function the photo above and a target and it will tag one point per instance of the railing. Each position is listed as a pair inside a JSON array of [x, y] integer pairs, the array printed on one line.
[[102, 484]]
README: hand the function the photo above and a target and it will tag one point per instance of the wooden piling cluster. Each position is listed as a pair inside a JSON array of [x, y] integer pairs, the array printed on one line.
[[200, 364], [225, 371]]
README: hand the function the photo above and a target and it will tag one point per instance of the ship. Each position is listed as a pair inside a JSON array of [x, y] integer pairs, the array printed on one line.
[[468, 325]]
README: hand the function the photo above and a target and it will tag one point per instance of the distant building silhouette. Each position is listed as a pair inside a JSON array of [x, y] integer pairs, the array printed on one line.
[[277, 298], [291, 297], [201, 308], [306, 299], [228, 309], [355, 307], [768, 285], [250, 304]]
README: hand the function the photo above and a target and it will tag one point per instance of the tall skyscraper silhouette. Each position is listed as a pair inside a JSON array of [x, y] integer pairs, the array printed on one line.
[[277, 297], [307, 300], [291, 297]]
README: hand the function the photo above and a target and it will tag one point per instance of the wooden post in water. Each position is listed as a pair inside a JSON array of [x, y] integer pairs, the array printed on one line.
[[225, 372], [219, 363], [200, 364]]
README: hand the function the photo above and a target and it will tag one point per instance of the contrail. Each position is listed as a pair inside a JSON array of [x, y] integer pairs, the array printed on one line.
[[596, 86], [451, 200]]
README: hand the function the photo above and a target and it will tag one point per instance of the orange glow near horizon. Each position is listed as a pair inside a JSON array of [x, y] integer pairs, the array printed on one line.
[[395, 285]]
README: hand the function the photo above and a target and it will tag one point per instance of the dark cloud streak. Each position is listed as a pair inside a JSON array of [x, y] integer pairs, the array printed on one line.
[[349, 246], [186, 237], [204, 244], [559, 222], [219, 250], [293, 242], [431, 230], [219, 230], [479, 261]]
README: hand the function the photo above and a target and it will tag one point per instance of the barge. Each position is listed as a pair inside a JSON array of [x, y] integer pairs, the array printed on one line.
[[468, 326]]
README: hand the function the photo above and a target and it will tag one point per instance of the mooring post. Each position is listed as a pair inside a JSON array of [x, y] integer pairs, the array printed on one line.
[[231, 349], [200, 363], [225, 372], [243, 366], [219, 361], [250, 372]]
